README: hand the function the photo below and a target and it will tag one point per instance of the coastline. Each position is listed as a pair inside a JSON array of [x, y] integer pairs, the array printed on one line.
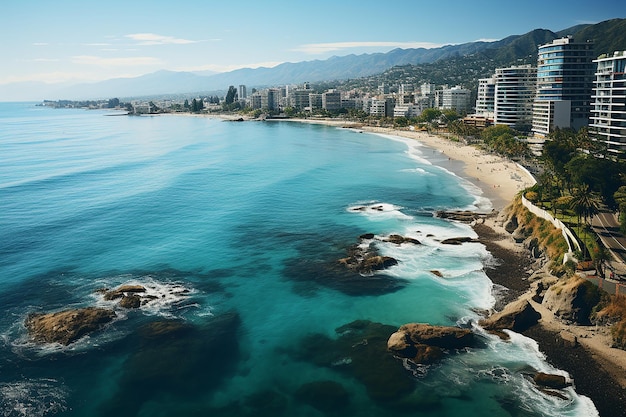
[[598, 370]]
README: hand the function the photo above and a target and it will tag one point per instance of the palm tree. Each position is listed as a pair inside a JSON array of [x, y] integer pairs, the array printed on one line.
[[585, 204]]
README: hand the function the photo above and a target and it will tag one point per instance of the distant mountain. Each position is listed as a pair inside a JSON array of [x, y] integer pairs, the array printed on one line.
[[474, 59]]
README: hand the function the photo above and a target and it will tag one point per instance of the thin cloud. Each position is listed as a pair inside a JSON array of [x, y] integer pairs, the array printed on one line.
[[154, 39], [40, 44], [228, 68], [321, 48], [46, 60], [115, 62]]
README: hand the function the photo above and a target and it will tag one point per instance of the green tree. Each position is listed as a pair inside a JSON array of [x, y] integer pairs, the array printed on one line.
[[429, 115], [231, 95], [585, 204]]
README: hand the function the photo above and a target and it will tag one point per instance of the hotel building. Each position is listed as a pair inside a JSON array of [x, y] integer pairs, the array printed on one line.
[[564, 84], [513, 95], [608, 110]]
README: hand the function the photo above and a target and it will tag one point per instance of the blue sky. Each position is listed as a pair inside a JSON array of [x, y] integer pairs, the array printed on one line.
[[82, 40]]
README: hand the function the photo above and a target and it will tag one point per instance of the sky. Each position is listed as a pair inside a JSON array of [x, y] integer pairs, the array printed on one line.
[[74, 41]]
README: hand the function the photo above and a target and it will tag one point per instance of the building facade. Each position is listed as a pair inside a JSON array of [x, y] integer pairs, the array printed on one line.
[[485, 99], [331, 100], [455, 98], [608, 111], [564, 74], [514, 94]]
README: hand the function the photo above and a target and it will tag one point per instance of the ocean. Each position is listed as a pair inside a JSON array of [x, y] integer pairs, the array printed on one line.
[[236, 230]]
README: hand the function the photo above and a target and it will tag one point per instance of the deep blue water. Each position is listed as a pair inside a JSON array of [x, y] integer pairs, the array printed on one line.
[[236, 229]]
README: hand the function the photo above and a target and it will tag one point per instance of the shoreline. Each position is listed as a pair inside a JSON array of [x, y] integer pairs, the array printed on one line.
[[598, 370], [497, 177]]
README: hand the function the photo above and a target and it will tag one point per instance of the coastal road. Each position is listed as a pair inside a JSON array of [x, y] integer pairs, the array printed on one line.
[[606, 226]]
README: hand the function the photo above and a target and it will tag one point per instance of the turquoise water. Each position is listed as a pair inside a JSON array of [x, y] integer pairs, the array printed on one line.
[[236, 229]]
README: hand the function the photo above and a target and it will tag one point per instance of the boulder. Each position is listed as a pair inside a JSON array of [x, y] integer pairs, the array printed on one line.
[[551, 381], [458, 240], [517, 316], [572, 300], [130, 301], [123, 290], [67, 326], [398, 240], [423, 342], [376, 263], [460, 216]]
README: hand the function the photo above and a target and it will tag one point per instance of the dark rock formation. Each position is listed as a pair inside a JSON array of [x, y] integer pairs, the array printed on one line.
[[122, 291], [518, 316], [424, 343], [398, 240], [366, 260], [67, 326], [176, 359], [551, 381], [461, 216], [130, 301], [360, 351], [458, 240]]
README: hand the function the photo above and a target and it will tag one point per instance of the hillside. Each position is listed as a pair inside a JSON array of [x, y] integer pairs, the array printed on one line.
[[450, 64]]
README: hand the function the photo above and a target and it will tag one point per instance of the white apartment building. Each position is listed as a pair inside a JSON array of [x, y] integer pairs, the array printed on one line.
[[608, 109], [455, 98], [406, 110], [514, 95], [485, 100]]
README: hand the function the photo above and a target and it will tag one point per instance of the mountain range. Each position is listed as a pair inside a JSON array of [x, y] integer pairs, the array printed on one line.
[[482, 57]]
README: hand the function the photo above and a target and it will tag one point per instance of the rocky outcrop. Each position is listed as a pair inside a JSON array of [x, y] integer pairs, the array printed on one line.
[[517, 316], [572, 300], [551, 381], [425, 344], [398, 240], [461, 216], [67, 326], [458, 240], [129, 295], [365, 259]]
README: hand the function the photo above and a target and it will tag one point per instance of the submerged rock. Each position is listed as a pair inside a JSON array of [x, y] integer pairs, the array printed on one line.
[[177, 359], [67, 326], [326, 396], [360, 351]]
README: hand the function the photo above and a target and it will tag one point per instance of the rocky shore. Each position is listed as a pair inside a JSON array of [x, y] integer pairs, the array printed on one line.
[[566, 346]]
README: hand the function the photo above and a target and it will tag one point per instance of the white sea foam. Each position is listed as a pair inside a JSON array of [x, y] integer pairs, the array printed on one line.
[[163, 298], [379, 211], [32, 398]]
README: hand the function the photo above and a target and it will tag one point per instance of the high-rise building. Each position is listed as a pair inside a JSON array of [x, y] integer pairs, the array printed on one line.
[[513, 95], [485, 99], [564, 83], [608, 111], [241, 92]]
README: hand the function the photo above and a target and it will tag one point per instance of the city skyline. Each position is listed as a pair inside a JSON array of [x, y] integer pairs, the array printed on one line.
[[72, 42]]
